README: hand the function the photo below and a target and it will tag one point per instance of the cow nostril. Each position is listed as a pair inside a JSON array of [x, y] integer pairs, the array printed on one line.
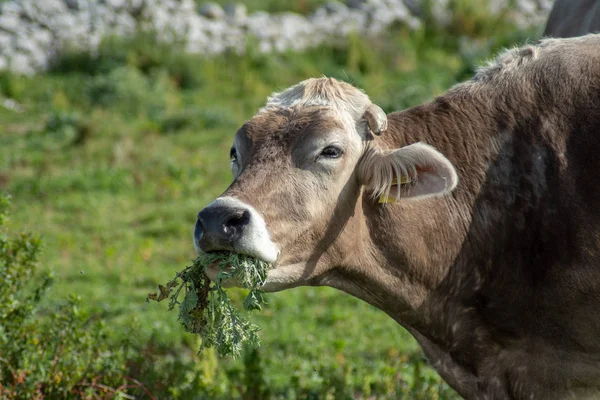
[[198, 232], [237, 220]]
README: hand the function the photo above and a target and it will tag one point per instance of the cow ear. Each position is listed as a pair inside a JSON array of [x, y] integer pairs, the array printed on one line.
[[413, 172]]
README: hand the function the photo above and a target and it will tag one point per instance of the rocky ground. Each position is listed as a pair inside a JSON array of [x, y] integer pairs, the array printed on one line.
[[32, 32]]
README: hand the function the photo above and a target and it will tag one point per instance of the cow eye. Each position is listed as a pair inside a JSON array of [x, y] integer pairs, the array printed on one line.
[[233, 155], [331, 152]]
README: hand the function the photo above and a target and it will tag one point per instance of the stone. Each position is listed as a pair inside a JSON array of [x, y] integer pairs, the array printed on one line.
[[236, 11], [10, 23], [72, 4], [48, 8], [187, 6], [527, 6], [441, 12], [10, 7], [20, 64], [115, 4], [11, 104], [216, 29], [414, 6], [124, 24], [197, 41], [134, 7], [5, 41], [39, 58], [64, 24], [211, 11], [259, 24], [333, 7], [357, 4], [27, 45], [42, 36]]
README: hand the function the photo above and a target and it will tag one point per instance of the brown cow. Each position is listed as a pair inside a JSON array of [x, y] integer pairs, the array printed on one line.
[[570, 18], [490, 253]]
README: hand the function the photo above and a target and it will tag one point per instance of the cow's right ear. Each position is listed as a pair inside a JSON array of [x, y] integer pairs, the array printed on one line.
[[416, 171]]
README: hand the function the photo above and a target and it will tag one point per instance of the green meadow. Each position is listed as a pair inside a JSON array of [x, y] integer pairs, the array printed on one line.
[[108, 163]]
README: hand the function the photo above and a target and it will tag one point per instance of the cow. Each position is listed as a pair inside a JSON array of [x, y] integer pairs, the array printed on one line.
[[472, 220], [570, 18]]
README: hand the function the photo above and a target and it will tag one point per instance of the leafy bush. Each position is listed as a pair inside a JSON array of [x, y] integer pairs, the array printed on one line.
[[53, 353], [128, 89], [194, 119], [142, 51]]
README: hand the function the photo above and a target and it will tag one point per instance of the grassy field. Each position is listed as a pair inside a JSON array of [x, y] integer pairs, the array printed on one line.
[[112, 157]]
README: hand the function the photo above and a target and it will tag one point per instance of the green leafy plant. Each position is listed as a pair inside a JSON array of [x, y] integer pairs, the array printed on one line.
[[206, 309]]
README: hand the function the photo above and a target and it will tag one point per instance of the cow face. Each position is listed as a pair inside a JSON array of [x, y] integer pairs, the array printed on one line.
[[300, 167]]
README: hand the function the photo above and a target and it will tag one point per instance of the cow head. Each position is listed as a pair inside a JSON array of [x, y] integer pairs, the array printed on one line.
[[301, 167]]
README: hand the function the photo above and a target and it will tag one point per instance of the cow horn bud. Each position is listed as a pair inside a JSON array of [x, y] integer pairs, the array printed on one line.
[[376, 119]]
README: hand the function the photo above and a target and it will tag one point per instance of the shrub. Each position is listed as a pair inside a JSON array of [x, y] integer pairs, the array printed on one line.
[[142, 51], [129, 90], [50, 353], [195, 118]]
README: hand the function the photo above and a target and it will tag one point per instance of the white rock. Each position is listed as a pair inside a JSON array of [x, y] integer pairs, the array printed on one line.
[[236, 11], [49, 8], [334, 7], [10, 7], [27, 45], [21, 64], [42, 36], [10, 23], [187, 6], [124, 24], [73, 4], [211, 11], [357, 4], [527, 6], [5, 41], [116, 4]]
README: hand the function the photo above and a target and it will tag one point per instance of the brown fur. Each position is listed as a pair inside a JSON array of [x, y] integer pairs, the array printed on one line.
[[498, 280]]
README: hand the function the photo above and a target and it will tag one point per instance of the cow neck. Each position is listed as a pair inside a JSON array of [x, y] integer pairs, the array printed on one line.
[[415, 251]]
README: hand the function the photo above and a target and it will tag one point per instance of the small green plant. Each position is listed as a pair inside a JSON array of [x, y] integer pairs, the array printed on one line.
[[206, 309]]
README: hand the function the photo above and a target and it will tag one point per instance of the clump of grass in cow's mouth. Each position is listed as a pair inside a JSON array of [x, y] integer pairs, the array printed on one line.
[[206, 310]]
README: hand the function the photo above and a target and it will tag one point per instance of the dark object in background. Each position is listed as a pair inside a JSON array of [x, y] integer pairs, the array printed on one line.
[[570, 18]]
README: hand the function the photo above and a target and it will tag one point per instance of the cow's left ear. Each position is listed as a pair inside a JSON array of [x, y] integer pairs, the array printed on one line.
[[413, 172]]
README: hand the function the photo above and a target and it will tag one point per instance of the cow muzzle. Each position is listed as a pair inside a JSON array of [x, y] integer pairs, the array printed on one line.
[[228, 224]]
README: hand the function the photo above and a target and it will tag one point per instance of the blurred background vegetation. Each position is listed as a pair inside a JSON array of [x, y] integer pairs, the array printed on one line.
[[109, 162]]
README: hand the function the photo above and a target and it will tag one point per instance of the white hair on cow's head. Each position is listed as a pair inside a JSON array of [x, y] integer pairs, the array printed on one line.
[[324, 92]]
